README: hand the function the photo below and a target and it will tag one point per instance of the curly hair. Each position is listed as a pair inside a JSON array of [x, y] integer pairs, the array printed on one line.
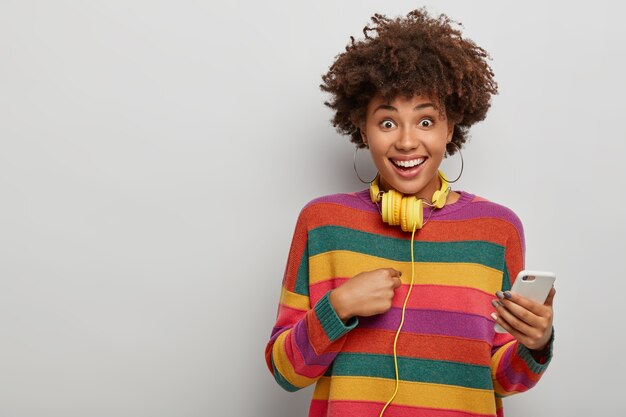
[[419, 55]]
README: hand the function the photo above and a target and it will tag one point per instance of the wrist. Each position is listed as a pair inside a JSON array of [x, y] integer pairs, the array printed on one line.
[[539, 354], [541, 349], [338, 304]]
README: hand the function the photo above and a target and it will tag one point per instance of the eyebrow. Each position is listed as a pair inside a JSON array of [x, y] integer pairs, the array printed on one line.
[[391, 108]]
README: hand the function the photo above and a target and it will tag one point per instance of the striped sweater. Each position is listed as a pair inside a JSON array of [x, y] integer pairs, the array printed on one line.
[[451, 362]]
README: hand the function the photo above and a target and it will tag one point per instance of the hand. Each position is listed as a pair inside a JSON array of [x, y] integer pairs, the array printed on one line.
[[366, 294], [526, 320]]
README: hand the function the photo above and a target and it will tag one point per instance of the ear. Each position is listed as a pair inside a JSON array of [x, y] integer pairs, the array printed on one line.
[[450, 132], [363, 134]]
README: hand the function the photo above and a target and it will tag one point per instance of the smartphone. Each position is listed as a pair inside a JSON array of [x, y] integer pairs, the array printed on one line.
[[531, 284]]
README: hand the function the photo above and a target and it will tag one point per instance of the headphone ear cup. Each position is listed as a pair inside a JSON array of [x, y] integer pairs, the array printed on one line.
[[412, 213], [384, 206], [392, 202], [397, 207], [375, 191], [439, 198]]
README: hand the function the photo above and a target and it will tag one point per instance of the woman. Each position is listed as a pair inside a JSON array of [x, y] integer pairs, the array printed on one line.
[[400, 320]]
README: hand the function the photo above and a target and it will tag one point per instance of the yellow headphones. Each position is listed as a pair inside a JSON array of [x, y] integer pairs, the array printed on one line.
[[406, 211]]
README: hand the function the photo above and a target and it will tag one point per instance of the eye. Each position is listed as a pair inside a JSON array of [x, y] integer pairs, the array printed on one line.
[[387, 124], [426, 123]]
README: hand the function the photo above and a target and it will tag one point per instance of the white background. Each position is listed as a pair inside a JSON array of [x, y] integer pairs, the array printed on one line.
[[154, 156]]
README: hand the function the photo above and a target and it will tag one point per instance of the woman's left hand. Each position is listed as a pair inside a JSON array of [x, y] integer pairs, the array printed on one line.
[[526, 320]]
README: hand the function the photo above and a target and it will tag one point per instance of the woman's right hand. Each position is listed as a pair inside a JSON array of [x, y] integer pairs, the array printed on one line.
[[366, 294]]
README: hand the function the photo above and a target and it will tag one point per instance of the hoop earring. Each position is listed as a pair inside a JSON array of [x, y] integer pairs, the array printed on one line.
[[462, 163], [357, 172]]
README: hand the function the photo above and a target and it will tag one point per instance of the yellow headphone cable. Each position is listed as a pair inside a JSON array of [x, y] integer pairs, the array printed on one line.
[[395, 341], [400, 210]]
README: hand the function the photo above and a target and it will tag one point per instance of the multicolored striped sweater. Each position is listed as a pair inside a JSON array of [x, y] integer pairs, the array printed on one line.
[[451, 362]]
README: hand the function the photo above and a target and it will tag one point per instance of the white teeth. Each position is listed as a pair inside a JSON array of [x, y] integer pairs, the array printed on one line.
[[409, 164]]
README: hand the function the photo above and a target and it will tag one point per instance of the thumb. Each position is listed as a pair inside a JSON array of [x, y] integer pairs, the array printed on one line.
[[394, 272], [550, 298]]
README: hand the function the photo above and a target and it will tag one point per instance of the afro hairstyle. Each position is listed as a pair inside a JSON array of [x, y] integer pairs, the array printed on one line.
[[416, 55]]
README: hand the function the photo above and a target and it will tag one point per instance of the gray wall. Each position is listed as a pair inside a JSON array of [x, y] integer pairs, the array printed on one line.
[[154, 156]]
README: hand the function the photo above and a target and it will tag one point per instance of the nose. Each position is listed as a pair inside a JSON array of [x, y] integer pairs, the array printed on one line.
[[408, 139]]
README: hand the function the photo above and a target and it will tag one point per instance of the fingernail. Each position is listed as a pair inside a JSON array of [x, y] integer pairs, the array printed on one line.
[[493, 316], [508, 295], [500, 294], [495, 303]]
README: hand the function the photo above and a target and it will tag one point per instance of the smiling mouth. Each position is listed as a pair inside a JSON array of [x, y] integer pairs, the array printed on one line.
[[408, 164]]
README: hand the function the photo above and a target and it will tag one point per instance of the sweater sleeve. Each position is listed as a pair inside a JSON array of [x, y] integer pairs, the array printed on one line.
[[514, 368], [305, 338]]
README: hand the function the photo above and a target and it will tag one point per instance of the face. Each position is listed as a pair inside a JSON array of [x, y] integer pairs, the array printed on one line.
[[407, 140]]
